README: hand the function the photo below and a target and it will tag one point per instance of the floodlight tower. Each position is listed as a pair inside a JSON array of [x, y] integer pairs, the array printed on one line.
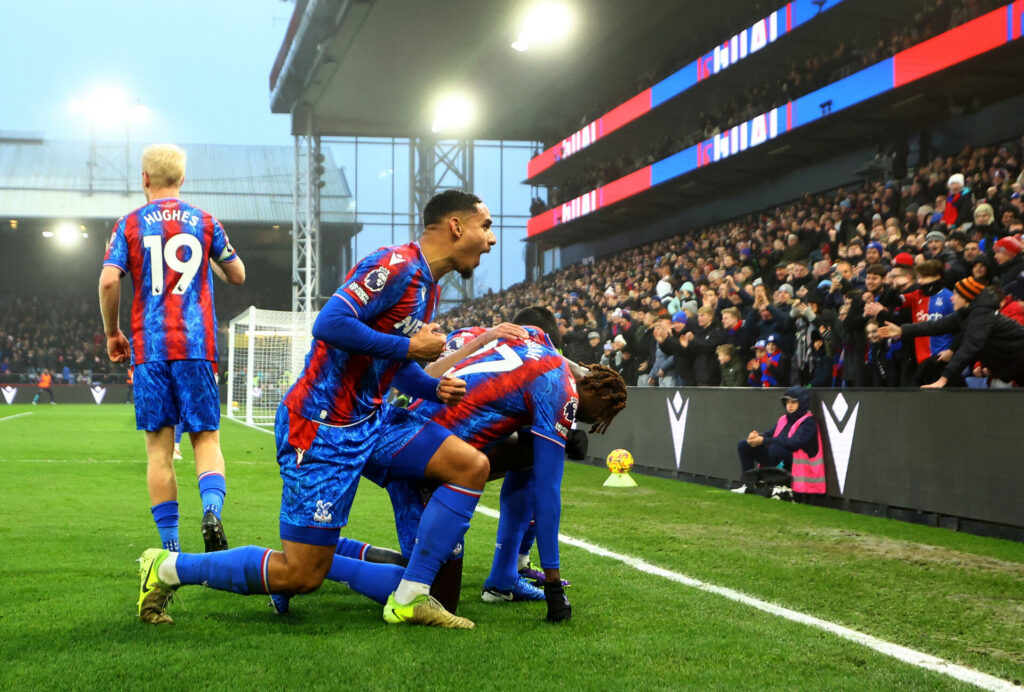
[[309, 171], [436, 165]]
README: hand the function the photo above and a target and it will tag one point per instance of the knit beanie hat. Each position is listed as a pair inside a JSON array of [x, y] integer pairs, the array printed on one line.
[[969, 289]]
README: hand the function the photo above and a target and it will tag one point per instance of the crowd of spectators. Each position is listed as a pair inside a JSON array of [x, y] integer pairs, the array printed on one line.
[[61, 331], [810, 71], [797, 294]]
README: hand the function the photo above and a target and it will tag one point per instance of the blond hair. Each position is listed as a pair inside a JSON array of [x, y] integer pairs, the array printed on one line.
[[165, 164]]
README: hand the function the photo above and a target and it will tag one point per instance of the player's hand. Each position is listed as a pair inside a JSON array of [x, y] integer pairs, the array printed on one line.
[[505, 330], [559, 609], [944, 356], [427, 343], [118, 348], [450, 390]]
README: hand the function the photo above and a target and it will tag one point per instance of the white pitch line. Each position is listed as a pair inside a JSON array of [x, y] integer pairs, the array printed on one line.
[[16, 415], [901, 653], [250, 425]]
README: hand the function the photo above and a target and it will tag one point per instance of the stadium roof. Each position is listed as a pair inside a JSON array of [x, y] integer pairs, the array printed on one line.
[[237, 184], [372, 67]]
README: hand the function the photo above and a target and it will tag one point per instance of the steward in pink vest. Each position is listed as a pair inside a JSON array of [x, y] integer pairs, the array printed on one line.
[[793, 444]]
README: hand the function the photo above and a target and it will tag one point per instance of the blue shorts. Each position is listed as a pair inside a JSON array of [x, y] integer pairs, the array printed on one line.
[[404, 447], [320, 467], [169, 391], [319, 483]]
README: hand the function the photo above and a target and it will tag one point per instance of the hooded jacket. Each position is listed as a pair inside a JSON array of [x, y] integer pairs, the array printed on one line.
[[805, 437], [994, 339]]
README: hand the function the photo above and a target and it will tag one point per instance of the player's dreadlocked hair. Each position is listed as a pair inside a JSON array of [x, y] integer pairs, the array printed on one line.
[[607, 385]]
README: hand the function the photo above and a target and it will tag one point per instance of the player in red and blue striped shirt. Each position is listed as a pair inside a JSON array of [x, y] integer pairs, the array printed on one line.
[[166, 246], [514, 383], [366, 338]]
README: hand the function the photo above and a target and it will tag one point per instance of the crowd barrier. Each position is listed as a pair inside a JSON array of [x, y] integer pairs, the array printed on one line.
[[948, 453], [22, 393]]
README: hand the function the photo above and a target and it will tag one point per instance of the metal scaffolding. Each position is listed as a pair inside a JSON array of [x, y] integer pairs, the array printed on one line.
[[436, 166], [309, 170]]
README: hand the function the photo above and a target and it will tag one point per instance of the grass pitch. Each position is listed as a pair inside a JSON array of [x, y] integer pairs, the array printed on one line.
[[74, 516]]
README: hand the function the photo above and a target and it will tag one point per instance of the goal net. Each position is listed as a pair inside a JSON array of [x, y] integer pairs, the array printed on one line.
[[266, 352]]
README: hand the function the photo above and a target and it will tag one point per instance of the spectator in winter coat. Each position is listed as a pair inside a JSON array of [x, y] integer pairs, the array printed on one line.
[[776, 363], [821, 360], [989, 337], [879, 370], [1009, 261], [959, 202], [796, 431], [737, 332], [706, 338], [676, 343], [733, 374]]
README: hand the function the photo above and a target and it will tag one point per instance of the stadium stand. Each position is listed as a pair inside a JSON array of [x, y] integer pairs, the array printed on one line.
[[818, 250], [810, 70]]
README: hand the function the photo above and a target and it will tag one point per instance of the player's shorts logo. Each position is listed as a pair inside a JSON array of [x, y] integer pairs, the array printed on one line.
[[376, 279], [323, 512], [569, 410]]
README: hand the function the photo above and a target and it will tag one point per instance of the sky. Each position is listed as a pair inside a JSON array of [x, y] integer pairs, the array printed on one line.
[[200, 67]]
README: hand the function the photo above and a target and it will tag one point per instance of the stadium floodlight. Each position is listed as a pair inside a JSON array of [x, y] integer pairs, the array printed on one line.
[[67, 235], [542, 24], [108, 106], [453, 113]]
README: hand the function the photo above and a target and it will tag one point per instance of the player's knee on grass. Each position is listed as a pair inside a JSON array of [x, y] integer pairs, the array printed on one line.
[[300, 568]]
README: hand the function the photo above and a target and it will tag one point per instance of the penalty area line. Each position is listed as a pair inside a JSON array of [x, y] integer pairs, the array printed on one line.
[[249, 425], [16, 415], [901, 653]]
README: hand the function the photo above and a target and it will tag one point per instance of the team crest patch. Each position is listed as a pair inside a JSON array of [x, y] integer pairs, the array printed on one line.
[[323, 512], [569, 410], [376, 279]]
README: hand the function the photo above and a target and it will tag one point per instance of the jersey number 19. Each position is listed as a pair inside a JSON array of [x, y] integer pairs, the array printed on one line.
[[169, 255]]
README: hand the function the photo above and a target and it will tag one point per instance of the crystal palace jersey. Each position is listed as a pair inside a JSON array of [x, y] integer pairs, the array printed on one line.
[[391, 291], [166, 247], [510, 384]]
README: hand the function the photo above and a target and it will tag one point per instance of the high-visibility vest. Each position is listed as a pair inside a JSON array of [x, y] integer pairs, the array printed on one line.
[[808, 472], [44, 380]]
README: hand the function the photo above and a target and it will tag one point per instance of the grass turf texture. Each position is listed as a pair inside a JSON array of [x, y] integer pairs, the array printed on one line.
[[75, 516]]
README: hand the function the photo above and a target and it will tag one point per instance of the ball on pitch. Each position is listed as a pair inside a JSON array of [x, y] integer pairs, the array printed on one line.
[[619, 461]]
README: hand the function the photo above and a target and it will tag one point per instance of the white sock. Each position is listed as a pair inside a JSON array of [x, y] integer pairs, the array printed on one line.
[[167, 572], [408, 590], [524, 561]]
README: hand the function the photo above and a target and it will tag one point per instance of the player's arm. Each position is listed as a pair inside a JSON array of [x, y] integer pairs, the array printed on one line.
[[227, 265], [505, 330], [232, 272], [548, 466], [115, 264], [414, 381], [339, 326]]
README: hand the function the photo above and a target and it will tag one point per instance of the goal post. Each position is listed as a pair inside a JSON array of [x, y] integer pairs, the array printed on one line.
[[266, 352]]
